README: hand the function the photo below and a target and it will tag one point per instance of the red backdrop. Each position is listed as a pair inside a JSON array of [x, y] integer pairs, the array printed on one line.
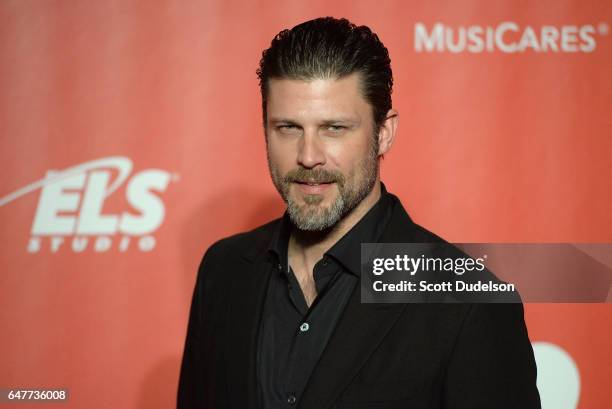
[[505, 104]]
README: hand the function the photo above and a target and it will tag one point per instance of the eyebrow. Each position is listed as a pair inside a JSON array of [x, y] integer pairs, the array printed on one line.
[[325, 122], [278, 121], [341, 121]]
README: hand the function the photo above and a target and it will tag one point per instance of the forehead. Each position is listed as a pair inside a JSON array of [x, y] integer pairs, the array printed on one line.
[[316, 99]]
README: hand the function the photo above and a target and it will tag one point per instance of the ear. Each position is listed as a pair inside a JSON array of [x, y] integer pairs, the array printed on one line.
[[386, 134]]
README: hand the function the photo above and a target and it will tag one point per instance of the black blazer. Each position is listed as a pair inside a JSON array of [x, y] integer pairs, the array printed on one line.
[[409, 356]]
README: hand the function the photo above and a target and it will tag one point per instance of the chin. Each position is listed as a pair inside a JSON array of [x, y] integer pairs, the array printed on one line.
[[314, 201]]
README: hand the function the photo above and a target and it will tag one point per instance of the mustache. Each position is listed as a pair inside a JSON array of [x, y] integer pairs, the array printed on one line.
[[302, 175]]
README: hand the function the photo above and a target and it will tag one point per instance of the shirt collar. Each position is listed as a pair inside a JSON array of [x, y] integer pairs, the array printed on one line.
[[347, 251]]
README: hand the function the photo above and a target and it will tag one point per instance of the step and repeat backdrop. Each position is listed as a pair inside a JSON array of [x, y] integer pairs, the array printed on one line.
[[131, 139]]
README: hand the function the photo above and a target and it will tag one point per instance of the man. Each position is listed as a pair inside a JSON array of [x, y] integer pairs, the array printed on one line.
[[276, 319]]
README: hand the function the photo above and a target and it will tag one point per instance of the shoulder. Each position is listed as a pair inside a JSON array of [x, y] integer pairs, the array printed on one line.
[[422, 235], [402, 229], [230, 255], [247, 244]]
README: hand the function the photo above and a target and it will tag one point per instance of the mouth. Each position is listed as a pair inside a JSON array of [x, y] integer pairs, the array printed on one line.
[[312, 187], [313, 182]]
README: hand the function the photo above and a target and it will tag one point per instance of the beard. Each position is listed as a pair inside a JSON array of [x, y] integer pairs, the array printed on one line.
[[311, 215]]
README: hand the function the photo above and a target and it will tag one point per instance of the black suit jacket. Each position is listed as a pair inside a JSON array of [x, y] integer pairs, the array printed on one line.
[[409, 356]]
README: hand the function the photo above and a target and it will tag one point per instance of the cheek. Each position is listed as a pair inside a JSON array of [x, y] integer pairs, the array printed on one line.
[[349, 155], [280, 156]]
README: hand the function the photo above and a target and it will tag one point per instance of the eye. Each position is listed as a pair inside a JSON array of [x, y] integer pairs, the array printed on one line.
[[287, 128], [335, 128]]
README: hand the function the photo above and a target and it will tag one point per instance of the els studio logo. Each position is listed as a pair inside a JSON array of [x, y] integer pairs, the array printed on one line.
[[508, 37], [71, 203]]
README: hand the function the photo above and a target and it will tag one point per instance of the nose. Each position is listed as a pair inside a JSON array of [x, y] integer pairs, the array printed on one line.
[[310, 150]]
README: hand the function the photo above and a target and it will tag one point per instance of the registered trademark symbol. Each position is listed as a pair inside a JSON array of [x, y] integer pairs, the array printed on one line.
[[175, 177], [485, 256], [603, 28]]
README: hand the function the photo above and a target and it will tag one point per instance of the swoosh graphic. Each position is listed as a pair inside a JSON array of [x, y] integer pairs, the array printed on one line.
[[121, 163]]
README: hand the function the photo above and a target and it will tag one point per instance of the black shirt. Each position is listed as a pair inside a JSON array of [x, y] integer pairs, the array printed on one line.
[[293, 336]]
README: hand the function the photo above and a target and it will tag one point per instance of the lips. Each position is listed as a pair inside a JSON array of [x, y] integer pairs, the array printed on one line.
[[313, 183], [313, 188]]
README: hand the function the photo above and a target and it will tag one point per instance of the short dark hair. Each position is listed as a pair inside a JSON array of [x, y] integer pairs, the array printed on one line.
[[325, 48]]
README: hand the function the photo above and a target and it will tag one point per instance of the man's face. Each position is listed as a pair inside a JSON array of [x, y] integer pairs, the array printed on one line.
[[322, 152]]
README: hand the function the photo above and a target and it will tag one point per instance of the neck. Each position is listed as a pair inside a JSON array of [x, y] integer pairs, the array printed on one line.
[[309, 246]]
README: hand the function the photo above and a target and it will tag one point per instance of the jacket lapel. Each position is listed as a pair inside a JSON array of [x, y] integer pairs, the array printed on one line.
[[361, 328], [245, 309], [358, 333]]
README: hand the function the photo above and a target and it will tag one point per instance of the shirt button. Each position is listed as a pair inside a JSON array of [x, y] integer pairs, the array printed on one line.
[[291, 399], [280, 267], [304, 327]]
